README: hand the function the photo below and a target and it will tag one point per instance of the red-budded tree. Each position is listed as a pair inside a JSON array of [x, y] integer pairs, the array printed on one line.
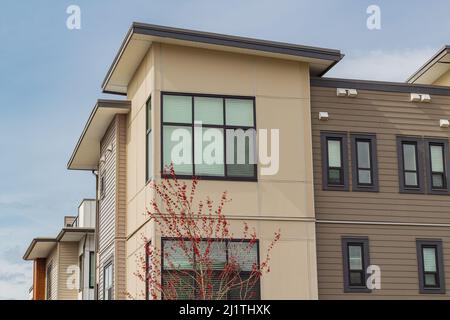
[[199, 258]]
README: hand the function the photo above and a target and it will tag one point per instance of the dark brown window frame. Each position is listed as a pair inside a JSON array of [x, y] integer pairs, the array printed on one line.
[[148, 131], [258, 287], [81, 272], [364, 243], [108, 264], [254, 178], [419, 164], [444, 143], [437, 243], [91, 270], [324, 137], [372, 139]]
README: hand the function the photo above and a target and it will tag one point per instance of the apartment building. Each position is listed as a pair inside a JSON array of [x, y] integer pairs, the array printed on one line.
[[362, 184], [64, 266], [170, 78], [381, 188]]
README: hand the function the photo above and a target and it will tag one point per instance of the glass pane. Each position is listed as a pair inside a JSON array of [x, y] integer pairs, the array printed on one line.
[[91, 269], [242, 165], [438, 180], [178, 286], [363, 154], [244, 254], [149, 114], [430, 280], [245, 290], [356, 278], [334, 153], [177, 109], [409, 156], [177, 148], [149, 156], [178, 256], [355, 257], [334, 176], [364, 177], [239, 112], [429, 259], [437, 158], [217, 255], [208, 110], [410, 178], [209, 152]]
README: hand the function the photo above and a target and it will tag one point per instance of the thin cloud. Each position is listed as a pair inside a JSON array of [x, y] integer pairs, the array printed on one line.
[[382, 65]]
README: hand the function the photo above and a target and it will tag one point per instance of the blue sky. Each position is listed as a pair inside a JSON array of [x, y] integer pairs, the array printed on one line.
[[50, 79]]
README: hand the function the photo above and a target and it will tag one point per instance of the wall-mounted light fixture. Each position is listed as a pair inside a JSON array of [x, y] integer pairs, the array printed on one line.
[[323, 116], [444, 123], [342, 92], [420, 97]]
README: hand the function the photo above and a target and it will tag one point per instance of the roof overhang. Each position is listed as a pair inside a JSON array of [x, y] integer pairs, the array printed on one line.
[[140, 37], [87, 151], [73, 234], [39, 248], [42, 247], [433, 69]]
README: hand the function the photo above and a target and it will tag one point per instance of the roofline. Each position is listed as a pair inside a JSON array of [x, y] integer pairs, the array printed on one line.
[[222, 40], [55, 240], [427, 65], [384, 86], [120, 104], [33, 243], [75, 230]]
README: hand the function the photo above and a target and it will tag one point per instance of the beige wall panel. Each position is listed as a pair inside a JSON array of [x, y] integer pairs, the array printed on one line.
[[286, 199], [187, 69], [281, 78]]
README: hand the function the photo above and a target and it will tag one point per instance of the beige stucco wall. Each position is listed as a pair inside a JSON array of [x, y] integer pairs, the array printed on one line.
[[443, 80], [284, 200]]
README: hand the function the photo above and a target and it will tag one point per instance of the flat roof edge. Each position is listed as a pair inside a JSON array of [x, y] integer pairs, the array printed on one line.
[[33, 243], [427, 65], [101, 103], [332, 55], [380, 86]]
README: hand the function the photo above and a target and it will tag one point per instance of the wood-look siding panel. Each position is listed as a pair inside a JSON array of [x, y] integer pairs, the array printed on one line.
[[112, 210], [121, 205], [54, 261], [107, 205], [392, 248], [386, 115], [67, 275]]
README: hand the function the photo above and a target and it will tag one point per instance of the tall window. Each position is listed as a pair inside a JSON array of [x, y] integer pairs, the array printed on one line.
[[49, 280], [91, 269], [334, 161], [356, 261], [108, 282], [178, 268], [410, 173], [410, 165], [364, 156], [81, 270], [209, 136], [148, 155], [431, 270], [437, 166]]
